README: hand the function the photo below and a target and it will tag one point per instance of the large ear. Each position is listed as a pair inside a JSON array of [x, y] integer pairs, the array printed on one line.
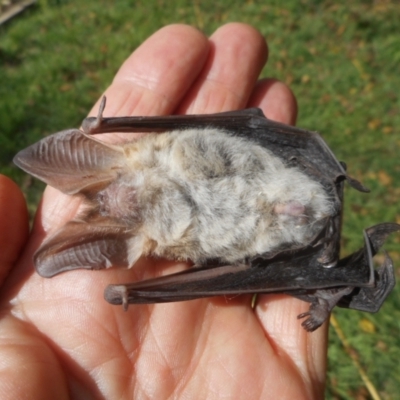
[[93, 245], [71, 161]]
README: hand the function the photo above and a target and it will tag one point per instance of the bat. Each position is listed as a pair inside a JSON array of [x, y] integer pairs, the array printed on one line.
[[255, 204]]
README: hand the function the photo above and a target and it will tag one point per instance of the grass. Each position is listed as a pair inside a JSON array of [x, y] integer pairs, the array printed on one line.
[[340, 58]]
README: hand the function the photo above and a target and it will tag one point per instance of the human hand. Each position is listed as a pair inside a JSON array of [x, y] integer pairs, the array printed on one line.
[[60, 339]]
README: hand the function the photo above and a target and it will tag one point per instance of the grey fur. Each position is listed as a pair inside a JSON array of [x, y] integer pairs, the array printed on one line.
[[200, 194]]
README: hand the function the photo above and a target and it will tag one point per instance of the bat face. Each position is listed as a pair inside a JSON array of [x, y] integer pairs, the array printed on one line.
[[244, 198]]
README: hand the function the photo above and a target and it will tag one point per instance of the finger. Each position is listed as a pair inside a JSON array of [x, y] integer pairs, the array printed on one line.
[[237, 56], [28, 364], [154, 79], [278, 313], [307, 351], [276, 100], [14, 224], [151, 81]]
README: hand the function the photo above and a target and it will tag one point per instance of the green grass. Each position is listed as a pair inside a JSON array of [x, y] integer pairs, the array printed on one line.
[[341, 59]]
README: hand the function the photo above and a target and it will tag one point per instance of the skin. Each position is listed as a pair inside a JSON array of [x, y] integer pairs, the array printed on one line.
[[60, 339]]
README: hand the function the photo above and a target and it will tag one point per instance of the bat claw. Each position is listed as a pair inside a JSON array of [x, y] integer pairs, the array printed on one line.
[[313, 322], [91, 125], [117, 294], [317, 314], [310, 325], [125, 303], [303, 315]]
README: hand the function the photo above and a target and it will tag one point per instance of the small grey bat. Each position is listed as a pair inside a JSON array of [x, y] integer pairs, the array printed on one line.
[[255, 204]]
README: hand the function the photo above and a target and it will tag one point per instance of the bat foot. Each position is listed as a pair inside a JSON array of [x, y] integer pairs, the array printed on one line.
[[317, 315], [322, 303]]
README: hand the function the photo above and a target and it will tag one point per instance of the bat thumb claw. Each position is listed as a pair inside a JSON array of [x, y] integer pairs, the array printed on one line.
[[118, 295]]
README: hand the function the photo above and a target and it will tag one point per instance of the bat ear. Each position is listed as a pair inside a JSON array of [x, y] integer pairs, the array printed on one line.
[[71, 161], [88, 246]]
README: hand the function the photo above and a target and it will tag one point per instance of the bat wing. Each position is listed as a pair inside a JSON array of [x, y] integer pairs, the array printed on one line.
[[283, 273], [364, 297], [264, 276], [353, 283], [371, 298], [71, 161], [293, 145]]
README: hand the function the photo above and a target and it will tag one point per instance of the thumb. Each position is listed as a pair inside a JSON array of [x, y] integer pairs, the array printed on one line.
[[14, 225]]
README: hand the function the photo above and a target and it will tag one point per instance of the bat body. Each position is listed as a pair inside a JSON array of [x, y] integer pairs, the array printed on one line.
[[256, 205]]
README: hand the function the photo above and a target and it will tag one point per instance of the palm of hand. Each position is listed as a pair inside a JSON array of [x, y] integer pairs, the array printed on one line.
[[70, 343]]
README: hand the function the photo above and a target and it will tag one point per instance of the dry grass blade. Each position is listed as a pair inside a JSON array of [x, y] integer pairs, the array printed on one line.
[[354, 357]]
